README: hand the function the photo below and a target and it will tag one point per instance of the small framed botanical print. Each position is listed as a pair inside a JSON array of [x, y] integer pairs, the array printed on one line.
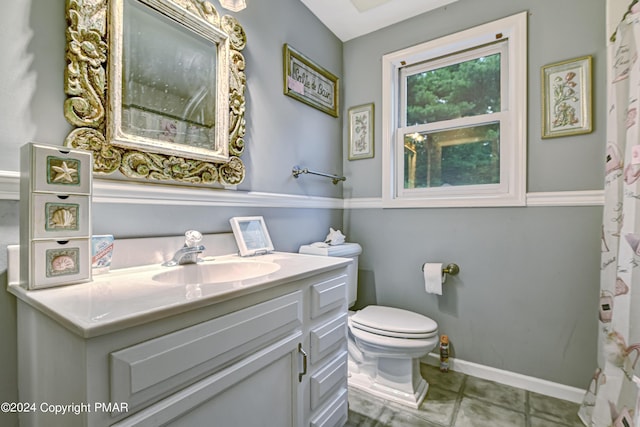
[[361, 132], [566, 97]]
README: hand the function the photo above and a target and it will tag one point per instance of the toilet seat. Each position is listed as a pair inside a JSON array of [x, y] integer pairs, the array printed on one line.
[[394, 322], [381, 345]]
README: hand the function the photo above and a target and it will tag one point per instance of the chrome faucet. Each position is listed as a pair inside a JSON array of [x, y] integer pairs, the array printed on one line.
[[188, 254]]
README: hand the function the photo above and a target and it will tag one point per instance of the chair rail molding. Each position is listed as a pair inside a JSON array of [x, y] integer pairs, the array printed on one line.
[[547, 198], [9, 185], [111, 191], [124, 192]]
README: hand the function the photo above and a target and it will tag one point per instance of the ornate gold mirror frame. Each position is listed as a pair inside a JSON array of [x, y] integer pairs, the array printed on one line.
[[87, 88]]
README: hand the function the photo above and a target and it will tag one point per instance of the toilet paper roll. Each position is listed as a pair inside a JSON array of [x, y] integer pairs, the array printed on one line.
[[433, 277]]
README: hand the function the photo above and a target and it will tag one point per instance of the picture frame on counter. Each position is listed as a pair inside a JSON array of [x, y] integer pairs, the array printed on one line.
[[251, 235]]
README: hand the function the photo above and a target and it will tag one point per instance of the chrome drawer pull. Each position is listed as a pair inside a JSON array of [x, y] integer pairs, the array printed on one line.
[[304, 362]]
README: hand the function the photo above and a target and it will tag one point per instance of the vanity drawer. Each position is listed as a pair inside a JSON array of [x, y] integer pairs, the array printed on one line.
[[328, 295], [335, 414], [328, 337], [327, 380], [161, 365]]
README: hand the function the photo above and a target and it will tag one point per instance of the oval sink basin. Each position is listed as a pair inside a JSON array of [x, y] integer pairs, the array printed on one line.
[[217, 272]]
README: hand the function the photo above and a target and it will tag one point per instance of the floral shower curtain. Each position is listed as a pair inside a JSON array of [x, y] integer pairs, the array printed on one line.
[[612, 398]]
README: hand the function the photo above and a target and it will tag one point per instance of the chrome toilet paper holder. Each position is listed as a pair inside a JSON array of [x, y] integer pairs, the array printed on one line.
[[451, 269]]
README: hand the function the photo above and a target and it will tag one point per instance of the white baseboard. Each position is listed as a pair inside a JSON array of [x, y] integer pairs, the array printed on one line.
[[513, 379]]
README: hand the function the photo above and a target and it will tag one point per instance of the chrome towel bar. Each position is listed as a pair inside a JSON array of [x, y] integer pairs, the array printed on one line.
[[296, 171]]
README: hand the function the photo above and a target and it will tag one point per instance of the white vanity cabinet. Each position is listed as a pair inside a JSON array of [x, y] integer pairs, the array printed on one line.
[[273, 357]]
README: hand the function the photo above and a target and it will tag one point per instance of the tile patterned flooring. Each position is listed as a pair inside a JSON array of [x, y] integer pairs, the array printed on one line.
[[459, 400]]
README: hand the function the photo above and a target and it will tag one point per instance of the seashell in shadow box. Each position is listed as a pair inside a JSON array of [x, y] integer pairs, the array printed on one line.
[[62, 218]]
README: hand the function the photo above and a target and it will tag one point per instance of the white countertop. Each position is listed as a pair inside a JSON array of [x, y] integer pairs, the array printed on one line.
[[128, 297]]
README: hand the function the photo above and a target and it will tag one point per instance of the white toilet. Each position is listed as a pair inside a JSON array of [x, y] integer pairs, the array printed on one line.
[[385, 343]]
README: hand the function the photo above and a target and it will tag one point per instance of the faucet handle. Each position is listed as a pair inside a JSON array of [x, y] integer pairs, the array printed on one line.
[[192, 237]]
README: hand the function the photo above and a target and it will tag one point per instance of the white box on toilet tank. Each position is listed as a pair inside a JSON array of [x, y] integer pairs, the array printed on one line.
[[345, 250]]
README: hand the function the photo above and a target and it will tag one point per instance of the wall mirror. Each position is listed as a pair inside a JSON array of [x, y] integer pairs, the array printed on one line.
[[155, 89]]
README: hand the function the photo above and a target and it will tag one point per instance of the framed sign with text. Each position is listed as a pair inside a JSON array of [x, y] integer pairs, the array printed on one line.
[[308, 82]]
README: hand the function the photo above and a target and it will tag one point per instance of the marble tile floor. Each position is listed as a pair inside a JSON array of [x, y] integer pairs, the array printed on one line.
[[459, 400]]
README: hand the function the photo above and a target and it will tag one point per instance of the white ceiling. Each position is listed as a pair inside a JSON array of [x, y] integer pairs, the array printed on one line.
[[348, 19]]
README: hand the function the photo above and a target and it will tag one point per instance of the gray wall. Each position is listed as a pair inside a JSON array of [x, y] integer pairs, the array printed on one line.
[[281, 132], [526, 296]]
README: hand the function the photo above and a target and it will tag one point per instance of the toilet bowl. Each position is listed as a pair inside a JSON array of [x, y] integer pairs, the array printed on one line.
[[385, 360], [385, 343]]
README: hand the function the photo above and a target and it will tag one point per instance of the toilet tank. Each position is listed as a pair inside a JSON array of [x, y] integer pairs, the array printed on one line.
[[345, 250]]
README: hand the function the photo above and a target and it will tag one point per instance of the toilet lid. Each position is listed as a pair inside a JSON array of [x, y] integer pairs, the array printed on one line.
[[394, 322]]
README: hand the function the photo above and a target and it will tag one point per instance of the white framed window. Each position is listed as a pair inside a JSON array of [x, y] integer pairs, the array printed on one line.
[[454, 119]]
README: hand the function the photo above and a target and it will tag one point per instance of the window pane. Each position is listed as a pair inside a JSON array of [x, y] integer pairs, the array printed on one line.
[[462, 156], [464, 89]]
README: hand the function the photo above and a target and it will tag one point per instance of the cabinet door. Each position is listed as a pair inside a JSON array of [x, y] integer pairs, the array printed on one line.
[[140, 374], [258, 391]]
